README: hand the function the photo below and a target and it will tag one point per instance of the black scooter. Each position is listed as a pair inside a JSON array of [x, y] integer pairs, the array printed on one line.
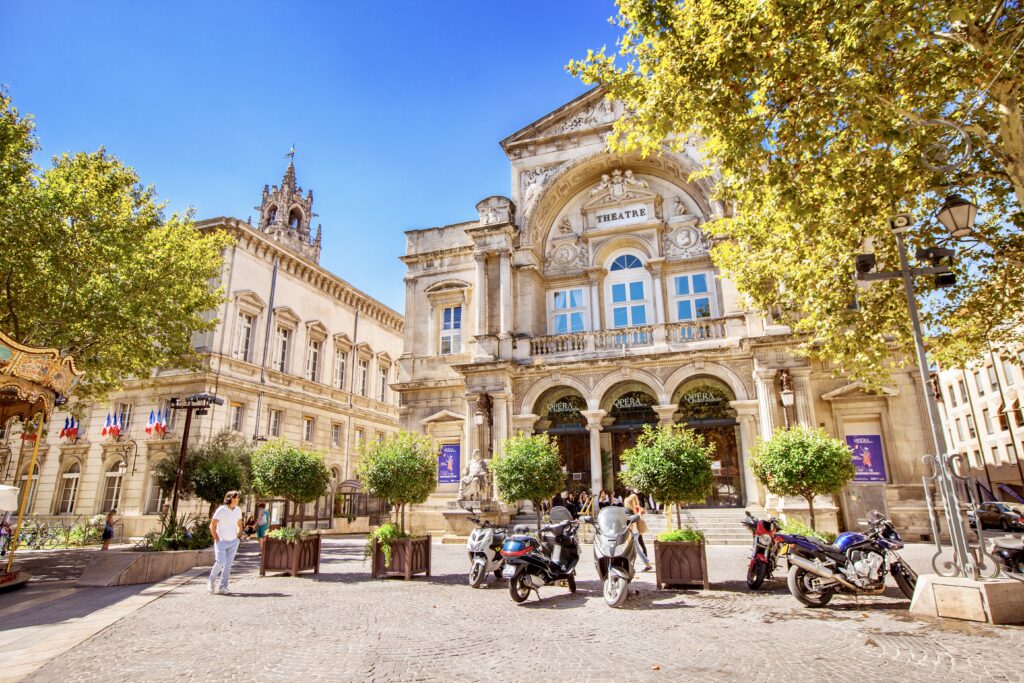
[[531, 563]]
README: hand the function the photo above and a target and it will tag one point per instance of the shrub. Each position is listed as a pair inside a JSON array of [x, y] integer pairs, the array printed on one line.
[[671, 463], [288, 534], [803, 462], [687, 535], [794, 527], [293, 473], [529, 469], [186, 533], [385, 535], [401, 469]]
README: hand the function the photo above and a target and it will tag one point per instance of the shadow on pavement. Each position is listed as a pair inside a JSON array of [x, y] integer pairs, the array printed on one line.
[[52, 603]]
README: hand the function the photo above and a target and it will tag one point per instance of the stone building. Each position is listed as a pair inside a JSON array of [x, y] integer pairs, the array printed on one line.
[[303, 355], [983, 420], [585, 305]]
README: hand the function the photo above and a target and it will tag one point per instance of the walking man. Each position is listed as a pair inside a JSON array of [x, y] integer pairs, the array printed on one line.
[[225, 527]]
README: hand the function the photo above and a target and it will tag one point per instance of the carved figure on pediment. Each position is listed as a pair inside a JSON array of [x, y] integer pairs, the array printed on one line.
[[490, 216], [564, 226], [630, 179], [685, 241], [678, 207], [601, 186]]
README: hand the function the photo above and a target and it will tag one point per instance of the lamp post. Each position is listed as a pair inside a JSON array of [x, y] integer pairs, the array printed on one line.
[[958, 216], [482, 417], [200, 405], [786, 394]]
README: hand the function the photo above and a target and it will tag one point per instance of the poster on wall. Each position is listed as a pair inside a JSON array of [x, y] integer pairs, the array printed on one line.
[[867, 457], [448, 464]]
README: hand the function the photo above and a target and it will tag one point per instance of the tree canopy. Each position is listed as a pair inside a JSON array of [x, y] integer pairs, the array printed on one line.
[[530, 468], [671, 463], [221, 464], [803, 462], [91, 265], [401, 469], [816, 120], [293, 473]]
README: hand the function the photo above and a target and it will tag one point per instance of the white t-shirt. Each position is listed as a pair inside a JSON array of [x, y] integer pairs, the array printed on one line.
[[227, 522]]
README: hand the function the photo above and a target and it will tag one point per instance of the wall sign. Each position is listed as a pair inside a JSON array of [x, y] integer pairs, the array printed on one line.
[[448, 464], [632, 213], [630, 401], [867, 457]]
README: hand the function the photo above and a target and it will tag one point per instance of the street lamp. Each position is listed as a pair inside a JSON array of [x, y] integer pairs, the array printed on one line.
[[957, 215], [786, 394], [200, 405], [482, 416]]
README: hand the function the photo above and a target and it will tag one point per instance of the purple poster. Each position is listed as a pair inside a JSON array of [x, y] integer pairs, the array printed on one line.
[[867, 457], [448, 464]]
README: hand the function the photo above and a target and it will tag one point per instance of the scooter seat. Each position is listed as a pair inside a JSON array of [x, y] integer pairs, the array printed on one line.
[[1010, 543]]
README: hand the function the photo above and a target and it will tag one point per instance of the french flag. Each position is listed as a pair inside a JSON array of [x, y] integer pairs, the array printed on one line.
[[106, 426], [161, 423], [67, 426], [115, 428], [73, 429], [151, 424]]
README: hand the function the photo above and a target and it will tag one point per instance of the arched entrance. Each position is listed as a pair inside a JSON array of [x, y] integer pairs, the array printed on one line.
[[704, 407], [630, 406], [561, 416]]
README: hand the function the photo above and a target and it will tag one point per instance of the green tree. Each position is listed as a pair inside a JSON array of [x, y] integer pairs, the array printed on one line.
[[401, 469], [803, 462], [287, 471], [166, 472], [808, 113], [90, 264], [671, 463], [219, 465], [530, 468]]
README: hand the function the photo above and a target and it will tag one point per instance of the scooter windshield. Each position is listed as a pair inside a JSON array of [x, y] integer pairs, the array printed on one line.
[[612, 521]]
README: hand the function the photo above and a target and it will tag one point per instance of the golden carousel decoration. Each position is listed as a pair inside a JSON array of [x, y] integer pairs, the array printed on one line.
[[32, 382]]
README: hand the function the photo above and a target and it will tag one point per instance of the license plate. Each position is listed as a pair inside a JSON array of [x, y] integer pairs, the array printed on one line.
[[508, 571]]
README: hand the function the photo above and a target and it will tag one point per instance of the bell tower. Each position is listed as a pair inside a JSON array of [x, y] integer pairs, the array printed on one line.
[[286, 216]]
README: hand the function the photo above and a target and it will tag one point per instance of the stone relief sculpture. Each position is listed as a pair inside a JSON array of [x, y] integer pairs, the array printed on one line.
[[597, 114], [619, 187], [495, 210], [565, 258], [475, 482]]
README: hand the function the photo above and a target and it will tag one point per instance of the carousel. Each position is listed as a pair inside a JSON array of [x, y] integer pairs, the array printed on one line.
[[32, 382]]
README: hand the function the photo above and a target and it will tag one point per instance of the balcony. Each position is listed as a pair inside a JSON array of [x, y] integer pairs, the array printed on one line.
[[680, 336]]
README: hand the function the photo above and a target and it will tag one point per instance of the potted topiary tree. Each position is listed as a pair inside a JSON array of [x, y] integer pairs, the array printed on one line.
[[804, 462], [401, 469], [299, 476], [222, 464], [673, 464], [530, 468]]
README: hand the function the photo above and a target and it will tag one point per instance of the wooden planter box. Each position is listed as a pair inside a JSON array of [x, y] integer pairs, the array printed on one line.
[[680, 564], [409, 557], [291, 558]]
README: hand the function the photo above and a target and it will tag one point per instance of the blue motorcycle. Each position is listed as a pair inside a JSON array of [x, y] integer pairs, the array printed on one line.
[[855, 564]]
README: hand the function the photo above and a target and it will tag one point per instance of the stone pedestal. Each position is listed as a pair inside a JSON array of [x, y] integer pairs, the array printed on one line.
[[994, 601], [458, 526]]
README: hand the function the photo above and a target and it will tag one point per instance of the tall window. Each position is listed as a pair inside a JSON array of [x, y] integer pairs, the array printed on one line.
[[114, 478], [340, 360], [235, 414], [313, 361], [282, 349], [382, 389], [952, 396], [970, 426], [628, 287], [336, 435], [359, 437], [167, 413], [69, 489], [243, 344], [308, 427], [157, 498], [274, 423], [993, 380], [567, 311], [364, 366], [959, 429], [692, 296], [986, 419], [451, 330], [963, 391], [125, 411], [995, 455], [978, 383], [31, 489], [1008, 371], [1011, 452]]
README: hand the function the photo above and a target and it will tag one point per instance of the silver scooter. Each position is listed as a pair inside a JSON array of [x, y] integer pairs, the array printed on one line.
[[614, 552], [484, 549]]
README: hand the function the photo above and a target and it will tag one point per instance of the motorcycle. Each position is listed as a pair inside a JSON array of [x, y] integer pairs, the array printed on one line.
[[857, 563], [1010, 552], [614, 552], [765, 557], [531, 563], [484, 549]]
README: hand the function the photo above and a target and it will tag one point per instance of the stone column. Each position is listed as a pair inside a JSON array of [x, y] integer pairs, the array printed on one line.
[[505, 291], [658, 294], [804, 402], [499, 417], [765, 380], [596, 276], [472, 431], [745, 415], [665, 414], [596, 471], [480, 289]]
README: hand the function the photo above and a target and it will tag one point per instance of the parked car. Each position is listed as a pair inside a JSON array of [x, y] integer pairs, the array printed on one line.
[[998, 516]]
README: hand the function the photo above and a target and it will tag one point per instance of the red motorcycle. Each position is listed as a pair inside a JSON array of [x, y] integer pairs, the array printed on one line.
[[766, 549]]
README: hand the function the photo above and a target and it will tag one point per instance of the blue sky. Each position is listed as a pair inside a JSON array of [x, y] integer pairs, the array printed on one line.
[[395, 108]]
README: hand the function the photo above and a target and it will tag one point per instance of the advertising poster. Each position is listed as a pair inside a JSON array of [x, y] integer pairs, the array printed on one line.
[[448, 464], [867, 457]]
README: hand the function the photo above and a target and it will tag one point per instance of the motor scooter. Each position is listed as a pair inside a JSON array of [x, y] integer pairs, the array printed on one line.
[[484, 549], [551, 557], [614, 552]]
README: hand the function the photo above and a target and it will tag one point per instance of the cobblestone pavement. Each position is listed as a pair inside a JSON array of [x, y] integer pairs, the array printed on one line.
[[342, 626]]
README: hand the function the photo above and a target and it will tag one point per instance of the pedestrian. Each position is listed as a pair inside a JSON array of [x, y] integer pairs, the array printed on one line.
[[262, 522], [633, 507], [585, 504], [573, 507], [225, 526], [108, 529], [602, 499], [617, 499]]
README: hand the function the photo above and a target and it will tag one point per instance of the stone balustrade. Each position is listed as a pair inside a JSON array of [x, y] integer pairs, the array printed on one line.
[[666, 337]]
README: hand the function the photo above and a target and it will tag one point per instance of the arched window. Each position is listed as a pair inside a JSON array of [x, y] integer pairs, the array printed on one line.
[[1018, 415], [31, 490], [271, 215], [628, 292], [69, 489], [114, 482], [294, 219], [157, 498]]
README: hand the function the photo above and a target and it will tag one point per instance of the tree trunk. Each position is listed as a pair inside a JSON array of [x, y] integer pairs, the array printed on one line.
[[401, 515], [810, 509], [679, 517], [213, 508], [536, 509]]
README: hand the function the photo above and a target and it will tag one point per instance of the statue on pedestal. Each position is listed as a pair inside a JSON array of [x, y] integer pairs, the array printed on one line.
[[475, 482]]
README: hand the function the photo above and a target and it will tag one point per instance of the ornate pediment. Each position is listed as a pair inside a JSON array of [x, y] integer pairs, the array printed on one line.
[[620, 198], [589, 112]]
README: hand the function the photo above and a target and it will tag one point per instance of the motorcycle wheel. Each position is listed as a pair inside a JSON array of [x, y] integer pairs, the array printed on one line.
[[799, 585], [906, 579], [756, 575], [571, 581], [497, 573], [616, 590], [518, 587], [477, 574]]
